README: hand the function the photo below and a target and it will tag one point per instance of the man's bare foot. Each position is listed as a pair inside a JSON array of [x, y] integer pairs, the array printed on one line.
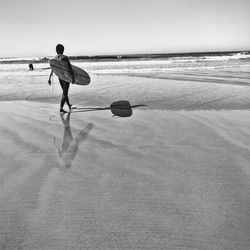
[[62, 111]]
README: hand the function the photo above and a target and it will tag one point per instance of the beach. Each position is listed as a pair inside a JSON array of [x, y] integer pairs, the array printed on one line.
[[174, 174]]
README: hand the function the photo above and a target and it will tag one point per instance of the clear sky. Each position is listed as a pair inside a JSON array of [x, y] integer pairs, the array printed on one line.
[[91, 27]]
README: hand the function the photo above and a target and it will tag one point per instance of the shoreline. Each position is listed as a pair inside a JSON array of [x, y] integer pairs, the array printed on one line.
[[155, 93]]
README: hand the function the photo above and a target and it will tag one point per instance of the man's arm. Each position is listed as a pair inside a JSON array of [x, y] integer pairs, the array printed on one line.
[[49, 81]]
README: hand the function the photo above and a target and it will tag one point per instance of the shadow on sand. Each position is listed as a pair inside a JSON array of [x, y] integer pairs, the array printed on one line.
[[119, 108], [70, 145]]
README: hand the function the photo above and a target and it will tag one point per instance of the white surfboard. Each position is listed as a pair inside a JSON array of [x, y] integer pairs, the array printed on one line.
[[60, 68]]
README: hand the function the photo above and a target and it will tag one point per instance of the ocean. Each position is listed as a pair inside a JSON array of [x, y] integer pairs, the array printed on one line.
[[141, 79]]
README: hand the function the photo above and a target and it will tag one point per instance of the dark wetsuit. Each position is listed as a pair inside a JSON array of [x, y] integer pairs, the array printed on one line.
[[65, 89], [64, 84]]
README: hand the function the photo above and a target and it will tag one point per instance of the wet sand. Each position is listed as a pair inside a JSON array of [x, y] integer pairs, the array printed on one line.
[[159, 179]]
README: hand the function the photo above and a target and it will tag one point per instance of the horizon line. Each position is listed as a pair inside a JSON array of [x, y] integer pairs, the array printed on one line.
[[134, 54]]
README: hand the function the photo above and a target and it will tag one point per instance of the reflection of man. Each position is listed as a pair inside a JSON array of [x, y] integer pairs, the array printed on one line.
[[70, 145]]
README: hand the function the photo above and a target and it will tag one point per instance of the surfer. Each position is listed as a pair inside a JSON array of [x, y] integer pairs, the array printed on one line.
[[65, 85], [31, 66]]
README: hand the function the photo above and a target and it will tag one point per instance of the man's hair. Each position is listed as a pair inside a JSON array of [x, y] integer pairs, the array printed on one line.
[[59, 48]]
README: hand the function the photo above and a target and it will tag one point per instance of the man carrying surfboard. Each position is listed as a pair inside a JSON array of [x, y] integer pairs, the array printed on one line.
[[64, 84]]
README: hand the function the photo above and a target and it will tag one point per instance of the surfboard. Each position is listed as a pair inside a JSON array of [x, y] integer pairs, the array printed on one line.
[[60, 68]]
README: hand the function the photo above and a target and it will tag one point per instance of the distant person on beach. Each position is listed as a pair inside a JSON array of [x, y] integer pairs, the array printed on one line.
[[65, 85], [31, 66]]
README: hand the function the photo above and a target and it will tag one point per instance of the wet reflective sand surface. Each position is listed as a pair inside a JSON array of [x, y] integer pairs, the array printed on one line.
[[153, 180]]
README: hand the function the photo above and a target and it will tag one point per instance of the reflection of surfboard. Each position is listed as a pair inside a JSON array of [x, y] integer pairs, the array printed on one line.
[[60, 68], [118, 108], [121, 108]]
